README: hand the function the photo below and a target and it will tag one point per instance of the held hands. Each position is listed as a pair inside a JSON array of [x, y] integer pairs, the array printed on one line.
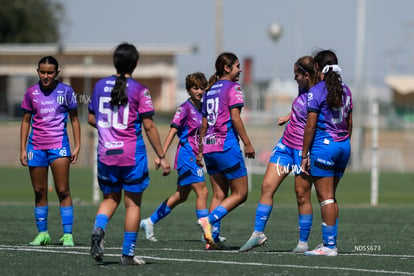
[[163, 163]]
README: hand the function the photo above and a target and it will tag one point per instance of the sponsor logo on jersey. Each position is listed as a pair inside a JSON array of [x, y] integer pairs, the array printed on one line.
[[112, 145], [47, 110], [47, 102]]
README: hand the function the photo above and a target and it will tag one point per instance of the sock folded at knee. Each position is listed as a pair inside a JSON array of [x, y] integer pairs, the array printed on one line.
[[262, 216], [128, 245], [41, 214], [66, 214]]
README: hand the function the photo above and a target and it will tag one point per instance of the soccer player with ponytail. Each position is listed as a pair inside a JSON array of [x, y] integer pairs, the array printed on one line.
[[326, 143], [120, 109]]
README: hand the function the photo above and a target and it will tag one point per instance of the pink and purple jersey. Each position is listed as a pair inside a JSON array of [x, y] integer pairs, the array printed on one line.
[[223, 96], [49, 115], [187, 120], [293, 133], [331, 124], [119, 127]]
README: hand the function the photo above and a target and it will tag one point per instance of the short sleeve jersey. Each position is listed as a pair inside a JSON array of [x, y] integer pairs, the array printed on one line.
[[49, 115], [120, 127], [293, 133], [218, 101], [332, 123], [187, 120]]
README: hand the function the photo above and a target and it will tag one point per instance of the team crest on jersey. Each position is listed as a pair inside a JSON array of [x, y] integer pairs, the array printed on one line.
[[147, 94], [60, 99], [310, 96], [239, 93]]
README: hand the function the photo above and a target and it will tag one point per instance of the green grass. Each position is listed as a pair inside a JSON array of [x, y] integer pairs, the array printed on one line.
[[372, 240]]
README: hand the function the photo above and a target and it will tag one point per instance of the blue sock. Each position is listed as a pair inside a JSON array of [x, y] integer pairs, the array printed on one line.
[[215, 230], [305, 226], [40, 214], [101, 221], [162, 211], [67, 219], [201, 213], [329, 233], [262, 216], [128, 246], [217, 214]]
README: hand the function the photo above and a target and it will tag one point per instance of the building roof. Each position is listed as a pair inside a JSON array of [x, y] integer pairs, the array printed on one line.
[[95, 48], [402, 84]]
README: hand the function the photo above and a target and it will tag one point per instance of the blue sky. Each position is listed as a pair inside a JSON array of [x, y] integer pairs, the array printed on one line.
[[307, 26]]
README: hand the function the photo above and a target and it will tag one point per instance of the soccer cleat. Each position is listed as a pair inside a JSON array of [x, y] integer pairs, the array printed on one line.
[[131, 260], [322, 250], [302, 247], [67, 240], [255, 240], [148, 227], [97, 248], [43, 238], [205, 226], [221, 239], [217, 245]]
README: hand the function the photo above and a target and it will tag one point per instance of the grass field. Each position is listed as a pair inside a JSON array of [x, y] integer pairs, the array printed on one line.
[[372, 240]]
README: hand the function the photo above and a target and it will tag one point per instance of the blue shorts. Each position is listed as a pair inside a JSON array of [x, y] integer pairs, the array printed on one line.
[[329, 158], [288, 158], [113, 179], [229, 163], [43, 158], [188, 171]]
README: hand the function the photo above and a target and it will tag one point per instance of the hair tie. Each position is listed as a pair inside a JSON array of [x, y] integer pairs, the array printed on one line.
[[335, 68]]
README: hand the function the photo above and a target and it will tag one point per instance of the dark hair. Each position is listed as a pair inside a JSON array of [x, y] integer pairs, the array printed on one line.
[[224, 59], [195, 79], [125, 60], [49, 60], [333, 80], [305, 65]]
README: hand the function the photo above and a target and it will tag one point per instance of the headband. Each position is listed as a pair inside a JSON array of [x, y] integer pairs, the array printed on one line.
[[335, 68]]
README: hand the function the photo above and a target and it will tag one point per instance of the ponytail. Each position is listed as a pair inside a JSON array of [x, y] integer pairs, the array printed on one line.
[[118, 94], [333, 82]]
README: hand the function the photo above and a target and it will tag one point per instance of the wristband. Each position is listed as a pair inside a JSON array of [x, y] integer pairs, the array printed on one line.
[[304, 157]]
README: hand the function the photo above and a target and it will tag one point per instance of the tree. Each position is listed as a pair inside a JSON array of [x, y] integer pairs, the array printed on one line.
[[30, 21]]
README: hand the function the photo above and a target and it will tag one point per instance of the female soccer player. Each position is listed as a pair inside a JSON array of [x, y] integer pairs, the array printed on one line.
[[286, 157], [46, 106], [219, 145], [326, 143], [120, 107], [186, 125]]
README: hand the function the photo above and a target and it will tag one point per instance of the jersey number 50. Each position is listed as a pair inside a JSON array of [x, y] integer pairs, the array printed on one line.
[[112, 116]]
